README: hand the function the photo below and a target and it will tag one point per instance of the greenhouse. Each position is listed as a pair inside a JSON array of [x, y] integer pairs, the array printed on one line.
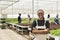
[[17, 18]]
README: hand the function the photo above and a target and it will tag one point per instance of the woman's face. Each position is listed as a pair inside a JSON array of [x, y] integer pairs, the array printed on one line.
[[40, 14]]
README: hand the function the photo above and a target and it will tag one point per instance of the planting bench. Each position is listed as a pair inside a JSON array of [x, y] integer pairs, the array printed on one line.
[[18, 28], [54, 26]]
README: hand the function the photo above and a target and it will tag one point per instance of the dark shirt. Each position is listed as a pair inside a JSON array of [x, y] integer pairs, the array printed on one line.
[[40, 23], [19, 18], [56, 20]]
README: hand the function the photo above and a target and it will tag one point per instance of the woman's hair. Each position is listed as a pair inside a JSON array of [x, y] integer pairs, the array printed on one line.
[[40, 10]]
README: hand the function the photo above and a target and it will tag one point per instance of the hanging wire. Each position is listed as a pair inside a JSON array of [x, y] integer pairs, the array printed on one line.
[[32, 8], [12, 9], [1, 12], [23, 8], [57, 6], [37, 4]]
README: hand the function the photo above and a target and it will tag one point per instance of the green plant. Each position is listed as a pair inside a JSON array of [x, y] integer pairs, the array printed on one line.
[[55, 32], [3, 20]]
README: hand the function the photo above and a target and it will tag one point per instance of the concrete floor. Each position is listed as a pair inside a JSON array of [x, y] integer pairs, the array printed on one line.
[[7, 34]]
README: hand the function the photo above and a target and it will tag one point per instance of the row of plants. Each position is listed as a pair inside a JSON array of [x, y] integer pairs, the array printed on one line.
[[2, 22], [24, 20], [55, 32], [15, 21]]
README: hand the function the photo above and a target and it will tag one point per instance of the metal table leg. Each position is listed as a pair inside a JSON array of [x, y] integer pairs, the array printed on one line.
[[22, 30]]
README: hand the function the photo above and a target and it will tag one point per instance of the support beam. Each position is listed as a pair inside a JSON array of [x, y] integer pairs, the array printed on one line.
[[32, 8]]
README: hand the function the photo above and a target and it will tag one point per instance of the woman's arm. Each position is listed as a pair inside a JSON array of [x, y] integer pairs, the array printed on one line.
[[34, 25]]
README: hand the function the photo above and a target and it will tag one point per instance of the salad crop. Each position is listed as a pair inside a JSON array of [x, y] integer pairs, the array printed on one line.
[[55, 32]]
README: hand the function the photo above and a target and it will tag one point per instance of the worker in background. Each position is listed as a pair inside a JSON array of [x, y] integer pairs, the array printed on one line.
[[29, 19], [19, 18], [48, 21], [56, 20]]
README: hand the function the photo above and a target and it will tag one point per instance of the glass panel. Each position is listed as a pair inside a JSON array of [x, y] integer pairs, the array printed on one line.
[[4, 4], [26, 6]]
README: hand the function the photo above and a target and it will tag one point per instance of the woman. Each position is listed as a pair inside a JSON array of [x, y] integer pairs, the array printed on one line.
[[39, 26]]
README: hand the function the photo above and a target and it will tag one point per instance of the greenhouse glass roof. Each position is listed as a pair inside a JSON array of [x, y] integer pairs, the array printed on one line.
[[6, 3], [26, 5]]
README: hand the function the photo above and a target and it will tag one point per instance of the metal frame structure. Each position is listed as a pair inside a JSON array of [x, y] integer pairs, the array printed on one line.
[[8, 3], [4, 4], [45, 1]]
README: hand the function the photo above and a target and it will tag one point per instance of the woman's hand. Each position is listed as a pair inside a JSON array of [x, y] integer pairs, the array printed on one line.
[[40, 31]]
